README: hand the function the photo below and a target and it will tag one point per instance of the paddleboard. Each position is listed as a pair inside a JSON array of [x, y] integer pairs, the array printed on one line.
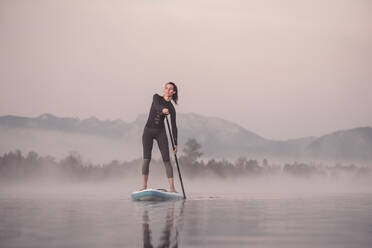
[[155, 195]]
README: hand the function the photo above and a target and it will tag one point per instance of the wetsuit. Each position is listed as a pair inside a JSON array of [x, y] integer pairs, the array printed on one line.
[[155, 129]]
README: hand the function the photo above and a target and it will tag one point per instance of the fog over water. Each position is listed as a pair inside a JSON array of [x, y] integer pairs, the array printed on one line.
[[46, 202], [266, 212], [277, 186]]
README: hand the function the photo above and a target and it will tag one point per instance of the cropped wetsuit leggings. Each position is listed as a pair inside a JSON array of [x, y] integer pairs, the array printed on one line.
[[160, 135]]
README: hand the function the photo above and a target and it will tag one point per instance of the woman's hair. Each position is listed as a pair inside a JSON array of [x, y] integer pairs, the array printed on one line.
[[175, 95]]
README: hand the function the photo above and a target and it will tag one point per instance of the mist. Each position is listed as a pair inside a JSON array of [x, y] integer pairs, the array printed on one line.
[[94, 148], [38, 175], [257, 201]]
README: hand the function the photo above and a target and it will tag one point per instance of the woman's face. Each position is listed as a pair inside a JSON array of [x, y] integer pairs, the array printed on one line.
[[168, 90]]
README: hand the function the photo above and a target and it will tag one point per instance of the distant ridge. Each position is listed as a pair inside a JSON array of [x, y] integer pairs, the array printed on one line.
[[51, 122], [116, 139], [344, 144]]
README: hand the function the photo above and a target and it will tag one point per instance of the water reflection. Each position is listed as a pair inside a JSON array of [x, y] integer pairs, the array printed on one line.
[[163, 217]]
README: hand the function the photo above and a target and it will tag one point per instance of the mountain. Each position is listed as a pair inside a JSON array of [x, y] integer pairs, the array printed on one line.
[[102, 141], [117, 139], [91, 125], [346, 144]]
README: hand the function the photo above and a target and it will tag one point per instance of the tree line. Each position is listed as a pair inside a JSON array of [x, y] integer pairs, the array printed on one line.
[[15, 166]]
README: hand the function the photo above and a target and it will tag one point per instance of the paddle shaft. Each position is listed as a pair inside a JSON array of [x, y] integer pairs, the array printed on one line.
[[175, 157]]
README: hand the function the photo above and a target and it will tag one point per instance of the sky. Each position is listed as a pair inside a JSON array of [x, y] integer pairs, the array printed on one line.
[[281, 69]]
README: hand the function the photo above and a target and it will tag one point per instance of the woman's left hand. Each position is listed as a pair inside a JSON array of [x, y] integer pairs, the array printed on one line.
[[175, 150]]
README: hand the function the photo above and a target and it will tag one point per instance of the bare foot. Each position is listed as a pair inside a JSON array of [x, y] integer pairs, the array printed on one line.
[[143, 188], [173, 191]]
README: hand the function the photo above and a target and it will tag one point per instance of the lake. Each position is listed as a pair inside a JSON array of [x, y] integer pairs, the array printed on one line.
[[86, 219]]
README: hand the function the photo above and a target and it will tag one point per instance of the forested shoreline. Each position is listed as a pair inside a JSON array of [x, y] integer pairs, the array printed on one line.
[[18, 167]]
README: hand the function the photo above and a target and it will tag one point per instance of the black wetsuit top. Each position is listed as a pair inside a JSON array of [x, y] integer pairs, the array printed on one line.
[[156, 116]]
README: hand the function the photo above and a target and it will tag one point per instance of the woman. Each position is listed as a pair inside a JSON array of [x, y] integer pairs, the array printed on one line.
[[155, 129]]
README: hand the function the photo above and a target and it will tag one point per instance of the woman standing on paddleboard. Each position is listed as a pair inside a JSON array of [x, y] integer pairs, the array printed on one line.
[[155, 129]]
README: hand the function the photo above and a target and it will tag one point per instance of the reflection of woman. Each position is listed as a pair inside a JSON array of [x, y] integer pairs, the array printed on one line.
[[146, 230], [167, 239], [155, 129]]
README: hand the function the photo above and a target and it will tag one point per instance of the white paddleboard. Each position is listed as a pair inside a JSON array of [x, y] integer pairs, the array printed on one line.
[[155, 195]]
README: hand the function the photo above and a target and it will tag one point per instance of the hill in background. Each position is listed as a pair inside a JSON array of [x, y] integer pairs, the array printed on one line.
[[102, 141]]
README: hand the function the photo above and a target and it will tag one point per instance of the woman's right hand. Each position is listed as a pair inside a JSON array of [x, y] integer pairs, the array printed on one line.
[[165, 111]]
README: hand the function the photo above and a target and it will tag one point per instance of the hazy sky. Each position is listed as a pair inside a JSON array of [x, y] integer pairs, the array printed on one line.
[[282, 69]]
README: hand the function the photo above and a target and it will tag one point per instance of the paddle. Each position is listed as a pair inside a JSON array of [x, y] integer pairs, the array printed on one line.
[[175, 156]]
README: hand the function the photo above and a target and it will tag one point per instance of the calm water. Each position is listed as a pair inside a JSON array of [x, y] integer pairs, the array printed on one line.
[[86, 220]]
